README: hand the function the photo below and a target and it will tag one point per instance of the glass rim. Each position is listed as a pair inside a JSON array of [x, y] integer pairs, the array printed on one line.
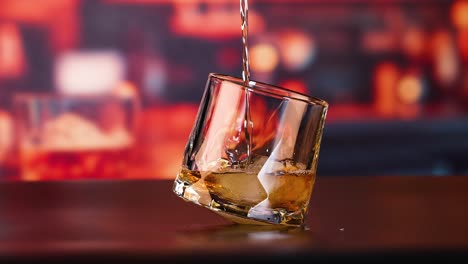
[[271, 90]]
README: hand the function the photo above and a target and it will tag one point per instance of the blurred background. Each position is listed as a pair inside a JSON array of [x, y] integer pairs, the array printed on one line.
[[395, 72]]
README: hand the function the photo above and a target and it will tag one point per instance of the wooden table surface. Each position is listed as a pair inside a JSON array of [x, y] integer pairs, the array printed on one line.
[[350, 218]]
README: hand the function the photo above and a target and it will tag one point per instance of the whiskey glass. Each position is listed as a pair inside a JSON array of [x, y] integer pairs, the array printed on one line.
[[70, 137], [252, 154]]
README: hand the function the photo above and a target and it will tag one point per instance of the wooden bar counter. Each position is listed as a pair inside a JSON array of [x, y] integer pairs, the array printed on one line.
[[380, 218]]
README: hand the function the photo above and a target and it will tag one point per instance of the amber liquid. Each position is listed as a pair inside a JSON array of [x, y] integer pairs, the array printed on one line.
[[286, 194], [74, 164]]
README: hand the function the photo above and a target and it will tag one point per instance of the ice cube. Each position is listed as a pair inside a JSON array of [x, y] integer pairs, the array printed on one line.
[[72, 132], [290, 165], [271, 166], [218, 165], [198, 193], [236, 186]]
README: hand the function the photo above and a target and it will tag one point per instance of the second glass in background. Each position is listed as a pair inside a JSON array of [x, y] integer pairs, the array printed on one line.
[[75, 137]]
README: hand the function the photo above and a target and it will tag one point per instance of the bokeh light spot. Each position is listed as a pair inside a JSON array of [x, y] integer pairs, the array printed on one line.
[[297, 50], [459, 14], [410, 89], [264, 57]]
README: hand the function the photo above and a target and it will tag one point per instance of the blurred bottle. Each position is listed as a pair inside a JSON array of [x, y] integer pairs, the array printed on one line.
[[446, 70], [8, 160], [459, 19], [463, 48], [12, 69], [386, 76], [12, 62]]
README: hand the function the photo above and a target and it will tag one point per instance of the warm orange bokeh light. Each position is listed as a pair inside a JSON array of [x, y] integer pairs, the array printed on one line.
[[297, 49], [444, 55], [59, 17], [386, 77], [414, 42], [7, 136], [12, 61], [264, 57], [409, 89], [459, 14], [125, 89]]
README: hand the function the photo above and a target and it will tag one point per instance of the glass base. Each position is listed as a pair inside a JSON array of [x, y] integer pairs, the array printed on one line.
[[254, 215]]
